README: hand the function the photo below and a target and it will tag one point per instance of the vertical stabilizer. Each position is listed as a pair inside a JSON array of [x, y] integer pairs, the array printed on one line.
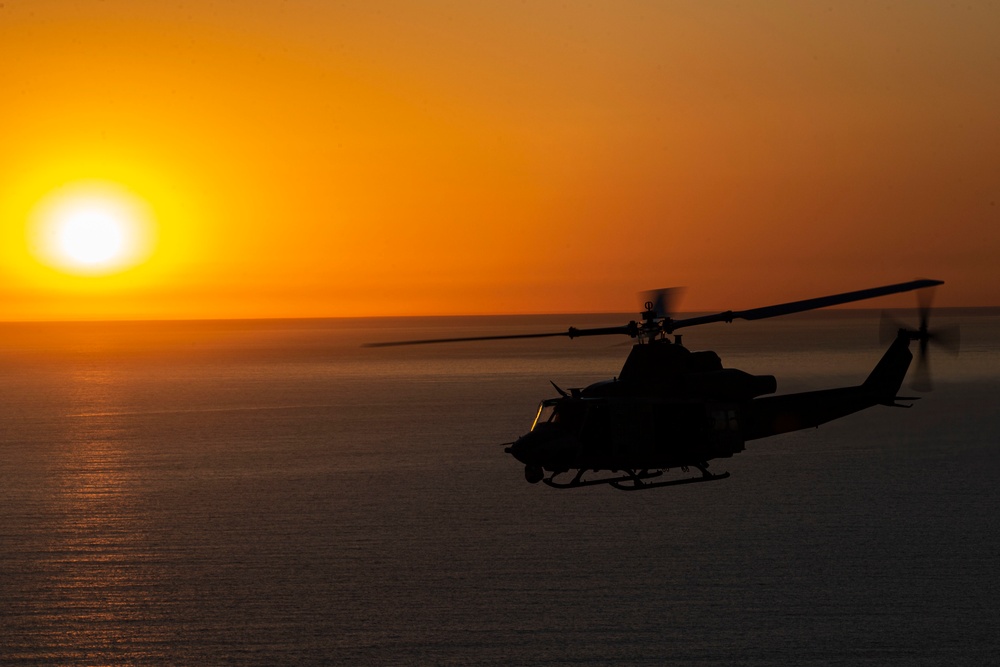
[[887, 377]]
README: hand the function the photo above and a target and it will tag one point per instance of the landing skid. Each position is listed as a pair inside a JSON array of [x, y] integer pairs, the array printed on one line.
[[634, 480]]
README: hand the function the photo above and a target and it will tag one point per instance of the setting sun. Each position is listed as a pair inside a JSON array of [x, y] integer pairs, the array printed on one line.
[[92, 228]]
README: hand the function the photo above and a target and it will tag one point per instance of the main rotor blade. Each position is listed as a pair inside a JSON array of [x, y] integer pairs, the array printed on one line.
[[629, 329], [805, 304]]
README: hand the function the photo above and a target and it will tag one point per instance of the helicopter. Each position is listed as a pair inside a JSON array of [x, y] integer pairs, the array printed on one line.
[[670, 408]]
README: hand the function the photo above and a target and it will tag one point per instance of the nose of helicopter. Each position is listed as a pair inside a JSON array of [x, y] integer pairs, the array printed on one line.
[[520, 449], [548, 448]]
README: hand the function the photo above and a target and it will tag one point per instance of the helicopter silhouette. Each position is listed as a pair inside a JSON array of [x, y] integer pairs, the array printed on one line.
[[670, 408]]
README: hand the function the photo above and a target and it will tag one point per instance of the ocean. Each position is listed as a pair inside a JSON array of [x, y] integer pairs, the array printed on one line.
[[271, 493]]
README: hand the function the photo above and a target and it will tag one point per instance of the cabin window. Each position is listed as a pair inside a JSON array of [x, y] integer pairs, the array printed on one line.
[[724, 420]]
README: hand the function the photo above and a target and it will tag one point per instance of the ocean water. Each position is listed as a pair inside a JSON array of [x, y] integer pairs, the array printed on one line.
[[271, 493]]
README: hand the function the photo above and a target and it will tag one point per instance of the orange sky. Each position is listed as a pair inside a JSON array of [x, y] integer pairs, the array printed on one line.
[[315, 158]]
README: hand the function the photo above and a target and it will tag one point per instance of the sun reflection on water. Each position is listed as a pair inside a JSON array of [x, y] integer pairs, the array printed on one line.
[[99, 581]]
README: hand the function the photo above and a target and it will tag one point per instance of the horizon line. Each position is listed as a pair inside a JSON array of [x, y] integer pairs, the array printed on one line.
[[628, 314]]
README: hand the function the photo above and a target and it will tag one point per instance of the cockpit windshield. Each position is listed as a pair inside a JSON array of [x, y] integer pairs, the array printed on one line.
[[546, 411], [567, 412]]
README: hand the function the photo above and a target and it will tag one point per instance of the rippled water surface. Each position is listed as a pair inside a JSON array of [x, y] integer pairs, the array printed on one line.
[[269, 492]]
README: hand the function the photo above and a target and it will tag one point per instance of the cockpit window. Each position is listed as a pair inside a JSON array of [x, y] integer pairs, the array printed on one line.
[[569, 413], [546, 411]]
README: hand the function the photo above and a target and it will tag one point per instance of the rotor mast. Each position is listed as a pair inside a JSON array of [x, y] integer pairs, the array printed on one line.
[[653, 326]]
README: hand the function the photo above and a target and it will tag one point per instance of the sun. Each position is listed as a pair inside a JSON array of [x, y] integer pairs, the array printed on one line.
[[92, 228], [91, 237]]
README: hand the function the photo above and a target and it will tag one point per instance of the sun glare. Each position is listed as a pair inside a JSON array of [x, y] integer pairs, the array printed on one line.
[[92, 228]]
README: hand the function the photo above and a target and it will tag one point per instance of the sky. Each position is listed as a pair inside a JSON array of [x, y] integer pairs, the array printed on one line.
[[313, 158]]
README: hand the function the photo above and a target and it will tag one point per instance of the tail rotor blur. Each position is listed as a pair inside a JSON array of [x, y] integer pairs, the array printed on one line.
[[947, 338]]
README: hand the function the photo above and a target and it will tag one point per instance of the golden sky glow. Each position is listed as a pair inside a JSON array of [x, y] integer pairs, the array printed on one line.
[[314, 158]]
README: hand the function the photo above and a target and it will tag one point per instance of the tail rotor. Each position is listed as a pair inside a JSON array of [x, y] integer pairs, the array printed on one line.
[[947, 338]]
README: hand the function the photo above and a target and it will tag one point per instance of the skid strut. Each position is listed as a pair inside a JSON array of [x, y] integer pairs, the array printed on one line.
[[633, 480]]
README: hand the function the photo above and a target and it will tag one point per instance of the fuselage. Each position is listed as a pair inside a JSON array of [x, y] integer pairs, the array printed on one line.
[[674, 408]]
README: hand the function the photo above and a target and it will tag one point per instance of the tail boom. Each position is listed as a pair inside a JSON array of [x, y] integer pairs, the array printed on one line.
[[772, 415]]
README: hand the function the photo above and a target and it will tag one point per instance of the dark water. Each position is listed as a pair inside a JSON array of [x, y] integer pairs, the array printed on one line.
[[269, 493]]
